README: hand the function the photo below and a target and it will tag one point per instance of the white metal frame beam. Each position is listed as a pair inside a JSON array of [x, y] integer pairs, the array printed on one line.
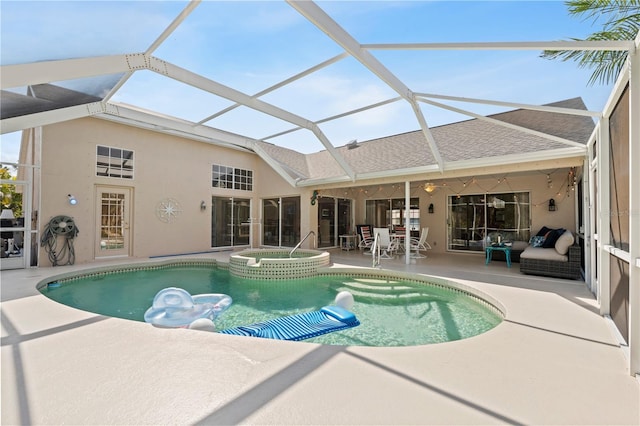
[[326, 24], [516, 45], [544, 108], [156, 43], [634, 210], [46, 72], [280, 84], [188, 77]]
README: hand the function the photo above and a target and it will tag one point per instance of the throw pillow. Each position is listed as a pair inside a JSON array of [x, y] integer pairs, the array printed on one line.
[[553, 236], [537, 240], [564, 242], [543, 231]]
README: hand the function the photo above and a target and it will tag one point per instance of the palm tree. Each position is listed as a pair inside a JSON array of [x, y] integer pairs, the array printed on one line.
[[622, 22]]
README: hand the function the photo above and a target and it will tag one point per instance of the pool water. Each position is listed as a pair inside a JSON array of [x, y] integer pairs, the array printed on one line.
[[392, 312]]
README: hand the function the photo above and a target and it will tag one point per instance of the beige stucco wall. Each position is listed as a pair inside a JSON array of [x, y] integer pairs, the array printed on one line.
[[171, 167], [165, 167]]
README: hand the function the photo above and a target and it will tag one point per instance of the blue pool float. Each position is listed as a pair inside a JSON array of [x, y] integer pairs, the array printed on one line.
[[175, 307]]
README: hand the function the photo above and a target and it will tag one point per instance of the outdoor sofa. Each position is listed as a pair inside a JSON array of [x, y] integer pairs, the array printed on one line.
[[552, 253]]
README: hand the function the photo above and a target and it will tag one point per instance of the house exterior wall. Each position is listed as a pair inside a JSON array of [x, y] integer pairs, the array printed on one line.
[[165, 166]]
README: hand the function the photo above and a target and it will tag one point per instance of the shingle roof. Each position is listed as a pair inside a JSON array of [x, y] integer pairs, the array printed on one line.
[[465, 140]]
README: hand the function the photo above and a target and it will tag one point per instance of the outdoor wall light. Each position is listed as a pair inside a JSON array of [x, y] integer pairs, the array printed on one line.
[[552, 205], [431, 208], [203, 205], [72, 200]]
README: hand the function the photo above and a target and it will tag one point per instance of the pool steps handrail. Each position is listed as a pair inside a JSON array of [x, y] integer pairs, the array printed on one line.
[[375, 251], [315, 242]]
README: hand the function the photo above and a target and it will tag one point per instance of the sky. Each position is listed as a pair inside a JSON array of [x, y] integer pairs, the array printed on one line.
[[251, 46]]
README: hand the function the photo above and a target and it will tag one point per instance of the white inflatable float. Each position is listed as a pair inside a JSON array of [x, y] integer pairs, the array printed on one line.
[[175, 307]]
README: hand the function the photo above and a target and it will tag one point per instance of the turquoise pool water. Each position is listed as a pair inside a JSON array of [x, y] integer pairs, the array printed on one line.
[[392, 312]]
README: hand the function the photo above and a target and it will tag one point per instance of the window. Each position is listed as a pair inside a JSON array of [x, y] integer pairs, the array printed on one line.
[[114, 162], [472, 218], [231, 178]]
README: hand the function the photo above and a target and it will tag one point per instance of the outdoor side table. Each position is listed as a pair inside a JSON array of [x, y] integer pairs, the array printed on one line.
[[348, 242], [490, 249]]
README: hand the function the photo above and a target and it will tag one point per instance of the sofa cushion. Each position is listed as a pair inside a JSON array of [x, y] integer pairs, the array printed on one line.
[[565, 241], [540, 253], [552, 237]]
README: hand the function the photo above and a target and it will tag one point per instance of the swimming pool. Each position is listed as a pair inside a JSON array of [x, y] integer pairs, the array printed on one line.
[[393, 310]]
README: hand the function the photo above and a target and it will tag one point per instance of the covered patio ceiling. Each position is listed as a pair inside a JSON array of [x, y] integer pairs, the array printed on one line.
[[231, 103]]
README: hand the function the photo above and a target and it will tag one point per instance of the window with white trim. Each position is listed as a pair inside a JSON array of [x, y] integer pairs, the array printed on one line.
[[114, 162], [231, 178]]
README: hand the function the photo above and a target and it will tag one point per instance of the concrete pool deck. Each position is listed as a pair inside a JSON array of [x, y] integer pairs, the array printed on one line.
[[554, 360]]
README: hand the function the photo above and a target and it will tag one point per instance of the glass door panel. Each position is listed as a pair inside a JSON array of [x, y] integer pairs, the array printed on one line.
[[221, 223], [271, 222], [242, 220], [326, 222], [281, 221], [345, 225], [290, 221]]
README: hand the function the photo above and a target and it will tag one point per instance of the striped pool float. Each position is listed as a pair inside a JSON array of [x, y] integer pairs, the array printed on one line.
[[299, 326]]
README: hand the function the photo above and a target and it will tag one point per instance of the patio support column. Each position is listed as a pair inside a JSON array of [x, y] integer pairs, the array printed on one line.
[[407, 230], [588, 219], [634, 212], [604, 218]]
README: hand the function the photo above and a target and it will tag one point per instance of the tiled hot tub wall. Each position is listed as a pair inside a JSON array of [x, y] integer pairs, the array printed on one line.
[[244, 264]]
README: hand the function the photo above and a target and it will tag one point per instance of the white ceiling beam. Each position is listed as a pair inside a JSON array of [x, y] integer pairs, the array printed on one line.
[[157, 42], [325, 23], [190, 7], [150, 120], [558, 110], [200, 82], [508, 125], [280, 84], [517, 45], [44, 118], [69, 69]]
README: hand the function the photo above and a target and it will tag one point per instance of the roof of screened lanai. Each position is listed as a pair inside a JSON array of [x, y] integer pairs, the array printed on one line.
[[153, 75]]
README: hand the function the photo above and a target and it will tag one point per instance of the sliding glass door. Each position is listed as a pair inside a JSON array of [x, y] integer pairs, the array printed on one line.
[[230, 221], [473, 218], [334, 219], [281, 221]]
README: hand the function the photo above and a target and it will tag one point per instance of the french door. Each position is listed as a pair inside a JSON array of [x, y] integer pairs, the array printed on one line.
[[113, 222]]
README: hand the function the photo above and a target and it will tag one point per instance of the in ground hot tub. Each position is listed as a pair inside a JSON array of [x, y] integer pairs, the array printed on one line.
[[275, 264]]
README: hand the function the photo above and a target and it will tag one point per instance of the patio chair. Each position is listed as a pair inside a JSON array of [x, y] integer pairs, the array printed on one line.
[[388, 247], [366, 239], [417, 245]]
